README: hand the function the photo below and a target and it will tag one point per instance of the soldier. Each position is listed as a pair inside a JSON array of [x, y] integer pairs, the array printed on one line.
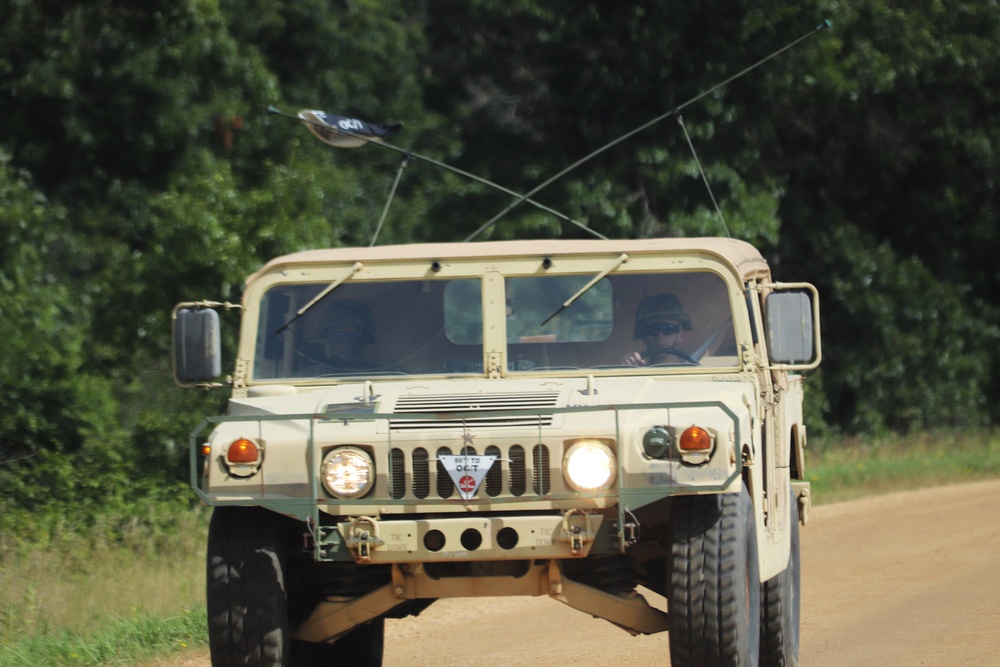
[[660, 322], [339, 345]]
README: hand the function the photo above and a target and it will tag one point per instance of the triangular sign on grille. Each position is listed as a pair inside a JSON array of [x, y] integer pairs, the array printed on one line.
[[467, 472]]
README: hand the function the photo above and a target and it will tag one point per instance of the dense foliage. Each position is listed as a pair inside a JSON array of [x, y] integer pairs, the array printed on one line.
[[138, 168]]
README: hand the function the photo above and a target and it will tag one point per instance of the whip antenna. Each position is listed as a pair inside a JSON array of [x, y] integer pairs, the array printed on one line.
[[309, 118], [676, 110], [680, 121], [388, 203]]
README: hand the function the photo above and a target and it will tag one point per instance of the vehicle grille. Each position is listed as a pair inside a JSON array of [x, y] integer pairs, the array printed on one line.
[[517, 472], [444, 405]]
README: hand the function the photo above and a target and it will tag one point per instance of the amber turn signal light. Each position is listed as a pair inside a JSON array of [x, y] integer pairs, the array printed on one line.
[[243, 451], [695, 439]]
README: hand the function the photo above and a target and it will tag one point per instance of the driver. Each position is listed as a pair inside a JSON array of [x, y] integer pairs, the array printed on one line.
[[347, 328], [660, 322]]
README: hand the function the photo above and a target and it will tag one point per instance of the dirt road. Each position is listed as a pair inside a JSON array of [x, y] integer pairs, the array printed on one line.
[[906, 579]]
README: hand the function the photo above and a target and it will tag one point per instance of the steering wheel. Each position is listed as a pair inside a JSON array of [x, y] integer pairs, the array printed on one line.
[[651, 353]]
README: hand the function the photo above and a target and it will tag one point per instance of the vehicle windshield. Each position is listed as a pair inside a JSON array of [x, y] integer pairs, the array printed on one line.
[[436, 327], [625, 320]]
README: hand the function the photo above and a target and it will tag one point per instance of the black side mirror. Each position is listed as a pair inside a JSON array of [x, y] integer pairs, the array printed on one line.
[[197, 345]]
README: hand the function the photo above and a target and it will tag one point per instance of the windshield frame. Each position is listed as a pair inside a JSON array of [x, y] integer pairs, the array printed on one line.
[[497, 358]]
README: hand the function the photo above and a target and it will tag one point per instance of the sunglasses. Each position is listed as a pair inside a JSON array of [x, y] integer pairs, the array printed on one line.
[[666, 329]]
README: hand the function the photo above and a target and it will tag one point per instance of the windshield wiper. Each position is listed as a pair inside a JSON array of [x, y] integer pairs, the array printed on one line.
[[583, 290], [329, 288]]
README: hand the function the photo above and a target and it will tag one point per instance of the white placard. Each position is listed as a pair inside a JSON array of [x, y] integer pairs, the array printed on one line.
[[467, 472]]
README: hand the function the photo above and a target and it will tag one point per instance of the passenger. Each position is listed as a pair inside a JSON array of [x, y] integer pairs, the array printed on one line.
[[660, 322], [339, 346]]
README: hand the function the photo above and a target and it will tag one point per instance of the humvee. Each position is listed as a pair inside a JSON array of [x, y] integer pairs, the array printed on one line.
[[605, 422]]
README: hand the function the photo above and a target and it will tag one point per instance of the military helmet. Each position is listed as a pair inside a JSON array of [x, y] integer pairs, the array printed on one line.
[[660, 308]]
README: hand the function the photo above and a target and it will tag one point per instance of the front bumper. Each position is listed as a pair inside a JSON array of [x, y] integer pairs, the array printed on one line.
[[474, 538]]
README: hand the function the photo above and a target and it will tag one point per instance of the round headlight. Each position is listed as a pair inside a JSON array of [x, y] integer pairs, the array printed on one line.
[[589, 466], [348, 472]]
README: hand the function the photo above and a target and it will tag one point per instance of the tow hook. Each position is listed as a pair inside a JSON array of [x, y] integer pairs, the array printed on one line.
[[308, 537], [630, 532], [576, 530], [362, 537]]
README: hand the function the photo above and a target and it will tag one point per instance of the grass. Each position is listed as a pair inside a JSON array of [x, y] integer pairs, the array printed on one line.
[[120, 641], [110, 597], [847, 468], [109, 601]]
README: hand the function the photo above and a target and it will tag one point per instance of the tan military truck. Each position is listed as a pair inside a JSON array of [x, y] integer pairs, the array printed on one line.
[[609, 423]]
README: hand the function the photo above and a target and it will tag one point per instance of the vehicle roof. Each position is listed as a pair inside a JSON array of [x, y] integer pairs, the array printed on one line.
[[744, 258]]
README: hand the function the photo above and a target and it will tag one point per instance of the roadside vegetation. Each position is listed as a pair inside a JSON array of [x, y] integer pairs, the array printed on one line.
[[111, 592], [842, 469], [129, 591]]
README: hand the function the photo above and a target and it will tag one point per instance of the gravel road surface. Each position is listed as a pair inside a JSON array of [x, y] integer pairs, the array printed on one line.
[[898, 580]]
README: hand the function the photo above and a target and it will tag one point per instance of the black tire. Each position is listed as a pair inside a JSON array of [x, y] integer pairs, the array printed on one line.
[[713, 597], [247, 603], [780, 601], [361, 647]]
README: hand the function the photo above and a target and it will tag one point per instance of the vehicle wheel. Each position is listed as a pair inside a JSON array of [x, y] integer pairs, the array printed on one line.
[[779, 614], [713, 597], [247, 605], [361, 647]]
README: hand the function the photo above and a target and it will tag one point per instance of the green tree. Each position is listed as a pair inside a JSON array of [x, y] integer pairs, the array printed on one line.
[[59, 438], [141, 134], [861, 161], [550, 84], [886, 136], [42, 328]]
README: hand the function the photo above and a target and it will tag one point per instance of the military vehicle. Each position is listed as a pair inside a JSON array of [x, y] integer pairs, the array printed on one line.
[[610, 423]]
